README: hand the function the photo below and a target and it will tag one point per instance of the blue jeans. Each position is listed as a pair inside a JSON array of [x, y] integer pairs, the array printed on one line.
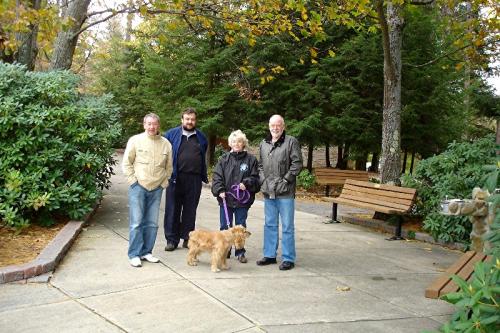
[[144, 207], [240, 215], [283, 209]]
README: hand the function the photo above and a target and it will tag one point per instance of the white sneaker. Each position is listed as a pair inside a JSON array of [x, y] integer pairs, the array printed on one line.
[[135, 261], [149, 257]]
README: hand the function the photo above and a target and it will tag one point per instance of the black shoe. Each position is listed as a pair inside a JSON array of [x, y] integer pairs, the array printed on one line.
[[170, 246], [266, 261], [286, 265], [242, 259], [185, 244]]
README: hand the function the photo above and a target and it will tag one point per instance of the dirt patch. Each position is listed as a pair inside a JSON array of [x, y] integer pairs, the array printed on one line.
[[20, 248], [315, 193]]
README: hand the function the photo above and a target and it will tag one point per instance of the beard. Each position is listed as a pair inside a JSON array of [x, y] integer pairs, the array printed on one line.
[[276, 134], [188, 129]]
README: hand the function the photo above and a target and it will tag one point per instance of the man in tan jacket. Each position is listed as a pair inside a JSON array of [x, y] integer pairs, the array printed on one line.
[[147, 163]]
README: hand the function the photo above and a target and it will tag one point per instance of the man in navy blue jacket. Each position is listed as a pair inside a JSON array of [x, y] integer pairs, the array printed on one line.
[[189, 147]]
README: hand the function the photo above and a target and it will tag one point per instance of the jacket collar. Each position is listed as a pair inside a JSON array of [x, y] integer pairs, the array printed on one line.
[[269, 139], [238, 155]]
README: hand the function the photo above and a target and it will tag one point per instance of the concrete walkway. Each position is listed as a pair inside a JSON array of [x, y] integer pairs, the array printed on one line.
[[94, 289]]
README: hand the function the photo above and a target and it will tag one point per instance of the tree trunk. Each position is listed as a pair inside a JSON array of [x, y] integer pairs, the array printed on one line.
[[210, 158], [28, 48], [411, 163], [361, 163], [374, 166], [130, 18], [310, 150], [405, 157], [390, 159], [339, 156], [498, 137], [342, 153], [65, 44], [327, 155]]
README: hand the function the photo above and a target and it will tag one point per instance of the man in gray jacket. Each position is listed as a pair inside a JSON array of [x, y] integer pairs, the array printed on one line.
[[280, 163]]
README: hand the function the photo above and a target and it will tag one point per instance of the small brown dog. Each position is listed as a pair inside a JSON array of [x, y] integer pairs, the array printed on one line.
[[218, 243]]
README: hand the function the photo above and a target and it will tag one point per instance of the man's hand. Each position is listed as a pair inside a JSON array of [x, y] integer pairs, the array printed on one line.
[[222, 195], [242, 187]]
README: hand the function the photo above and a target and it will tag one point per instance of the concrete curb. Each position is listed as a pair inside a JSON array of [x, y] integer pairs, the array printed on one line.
[[386, 227], [51, 255]]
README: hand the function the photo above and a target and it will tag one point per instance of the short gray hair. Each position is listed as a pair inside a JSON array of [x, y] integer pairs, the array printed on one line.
[[151, 115], [237, 136]]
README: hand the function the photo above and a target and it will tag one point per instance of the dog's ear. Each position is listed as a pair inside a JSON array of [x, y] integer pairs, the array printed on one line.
[[247, 234]]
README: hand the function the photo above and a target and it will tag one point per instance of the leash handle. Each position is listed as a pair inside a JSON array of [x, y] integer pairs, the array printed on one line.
[[226, 213], [241, 196]]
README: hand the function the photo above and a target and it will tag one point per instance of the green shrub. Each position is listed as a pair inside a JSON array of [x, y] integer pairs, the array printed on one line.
[[218, 153], [452, 174], [56, 151], [477, 301], [306, 180]]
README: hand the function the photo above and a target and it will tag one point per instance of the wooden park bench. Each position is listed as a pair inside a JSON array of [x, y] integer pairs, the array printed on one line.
[[336, 177], [463, 267], [387, 199]]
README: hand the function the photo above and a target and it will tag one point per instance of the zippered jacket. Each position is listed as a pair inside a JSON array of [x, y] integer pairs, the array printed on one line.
[[280, 164], [148, 161], [235, 168], [174, 135]]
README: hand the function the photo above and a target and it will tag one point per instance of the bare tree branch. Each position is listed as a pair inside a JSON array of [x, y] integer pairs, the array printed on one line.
[[84, 62], [448, 54], [421, 2]]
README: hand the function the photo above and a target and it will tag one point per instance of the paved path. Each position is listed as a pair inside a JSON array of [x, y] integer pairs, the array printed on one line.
[[94, 289]]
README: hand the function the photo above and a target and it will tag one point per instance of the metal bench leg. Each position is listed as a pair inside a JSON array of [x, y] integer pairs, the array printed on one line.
[[397, 234], [327, 190], [334, 214]]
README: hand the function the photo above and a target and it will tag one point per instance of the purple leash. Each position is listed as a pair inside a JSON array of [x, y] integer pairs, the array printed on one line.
[[241, 196]]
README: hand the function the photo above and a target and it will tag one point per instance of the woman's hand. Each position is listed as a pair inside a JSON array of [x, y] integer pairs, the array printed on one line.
[[242, 187], [222, 195]]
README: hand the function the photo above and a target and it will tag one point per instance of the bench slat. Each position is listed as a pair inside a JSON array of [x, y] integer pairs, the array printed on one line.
[[465, 273], [337, 171], [463, 267], [384, 193], [330, 181], [434, 289], [375, 201], [355, 177], [382, 186], [375, 196], [330, 176], [374, 207]]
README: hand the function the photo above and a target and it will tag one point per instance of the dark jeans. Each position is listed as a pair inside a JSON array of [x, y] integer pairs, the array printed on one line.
[[240, 215], [182, 198]]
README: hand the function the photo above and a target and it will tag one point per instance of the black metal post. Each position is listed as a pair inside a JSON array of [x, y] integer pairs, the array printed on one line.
[[397, 233], [334, 213]]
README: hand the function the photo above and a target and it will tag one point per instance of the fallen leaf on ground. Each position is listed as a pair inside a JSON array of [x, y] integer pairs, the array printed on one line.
[[339, 288]]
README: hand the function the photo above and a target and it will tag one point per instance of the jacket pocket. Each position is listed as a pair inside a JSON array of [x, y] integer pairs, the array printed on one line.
[[282, 187], [265, 187], [163, 160], [143, 156]]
